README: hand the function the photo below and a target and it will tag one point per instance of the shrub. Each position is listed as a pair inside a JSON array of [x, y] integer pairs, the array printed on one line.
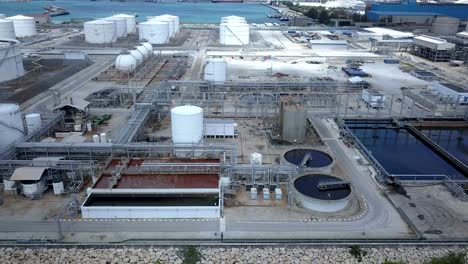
[[357, 252]]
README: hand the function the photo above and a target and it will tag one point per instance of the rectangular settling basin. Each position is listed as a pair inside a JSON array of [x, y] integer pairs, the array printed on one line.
[[400, 152]]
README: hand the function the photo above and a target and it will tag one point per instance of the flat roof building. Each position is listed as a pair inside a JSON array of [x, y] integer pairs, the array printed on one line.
[[432, 48]]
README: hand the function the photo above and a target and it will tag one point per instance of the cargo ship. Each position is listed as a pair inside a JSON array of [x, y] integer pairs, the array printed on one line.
[[56, 11]]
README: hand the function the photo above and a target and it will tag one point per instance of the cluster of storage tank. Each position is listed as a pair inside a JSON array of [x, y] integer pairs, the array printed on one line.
[[234, 30], [128, 61], [159, 29], [17, 27], [109, 29]]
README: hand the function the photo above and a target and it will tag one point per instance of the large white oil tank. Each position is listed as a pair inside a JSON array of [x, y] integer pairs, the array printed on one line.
[[176, 21], [33, 189], [443, 25], [7, 30], [234, 33], [125, 62], [33, 121], [171, 21], [131, 22], [155, 32], [11, 124], [24, 26], [11, 60], [137, 55], [143, 51], [215, 70], [187, 124], [120, 25], [100, 32]]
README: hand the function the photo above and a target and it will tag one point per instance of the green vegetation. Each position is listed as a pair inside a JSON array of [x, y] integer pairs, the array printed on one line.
[[451, 258], [191, 255], [357, 252], [159, 262], [323, 15]]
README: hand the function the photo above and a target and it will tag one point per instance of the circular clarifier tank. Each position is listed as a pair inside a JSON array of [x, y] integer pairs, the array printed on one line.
[[309, 159], [322, 192], [257, 98]]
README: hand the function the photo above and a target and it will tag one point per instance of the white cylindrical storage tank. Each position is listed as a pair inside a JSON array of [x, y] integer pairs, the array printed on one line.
[[11, 60], [7, 30], [137, 55], [100, 32], [2, 16], [8, 185], [96, 139], [131, 22], [24, 26], [176, 21], [58, 188], [155, 32], [33, 122], [11, 124], [187, 124], [120, 25], [169, 20], [125, 63], [143, 51], [215, 70], [103, 137], [32, 189], [148, 46], [234, 33], [443, 25]]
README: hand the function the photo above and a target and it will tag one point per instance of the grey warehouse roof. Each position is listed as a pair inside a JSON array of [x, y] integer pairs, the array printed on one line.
[[28, 173]]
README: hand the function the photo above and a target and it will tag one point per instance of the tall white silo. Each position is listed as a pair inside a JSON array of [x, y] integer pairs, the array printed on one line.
[[215, 70], [120, 25], [155, 32], [100, 31], [187, 124], [24, 26], [11, 124], [131, 22], [7, 29], [11, 60]]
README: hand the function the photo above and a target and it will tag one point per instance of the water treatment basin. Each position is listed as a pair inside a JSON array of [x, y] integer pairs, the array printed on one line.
[[309, 159], [322, 192]]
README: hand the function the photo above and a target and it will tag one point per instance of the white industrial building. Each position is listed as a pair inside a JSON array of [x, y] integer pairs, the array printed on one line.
[[11, 60], [373, 98], [432, 48], [327, 44], [378, 33], [456, 93]]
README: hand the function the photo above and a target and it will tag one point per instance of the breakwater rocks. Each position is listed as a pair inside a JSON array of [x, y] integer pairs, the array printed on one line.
[[227, 255]]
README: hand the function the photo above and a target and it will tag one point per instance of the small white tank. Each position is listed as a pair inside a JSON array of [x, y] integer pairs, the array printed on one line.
[[137, 55], [58, 188], [131, 22], [103, 137], [215, 70], [89, 127], [255, 159], [120, 25], [96, 138], [8, 185], [143, 51], [7, 30], [24, 26], [148, 46], [32, 189], [125, 63], [77, 128], [33, 121]]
